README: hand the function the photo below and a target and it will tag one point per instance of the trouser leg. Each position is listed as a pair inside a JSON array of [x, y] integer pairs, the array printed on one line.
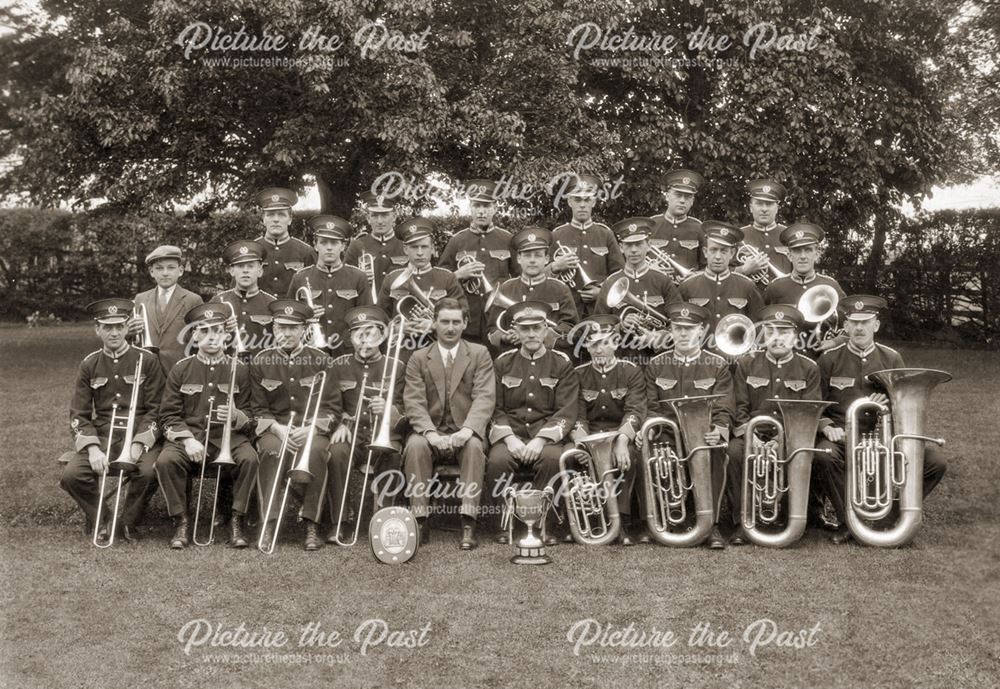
[[172, 467]]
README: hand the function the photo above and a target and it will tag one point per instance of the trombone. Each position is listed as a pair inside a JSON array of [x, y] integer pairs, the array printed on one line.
[[763, 277], [570, 276], [299, 470], [661, 260], [591, 506], [147, 337], [316, 336], [619, 294], [366, 263], [224, 458], [124, 464], [479, 284]]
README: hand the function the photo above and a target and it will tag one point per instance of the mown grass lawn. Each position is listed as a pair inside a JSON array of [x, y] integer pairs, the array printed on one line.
[[926, 615]]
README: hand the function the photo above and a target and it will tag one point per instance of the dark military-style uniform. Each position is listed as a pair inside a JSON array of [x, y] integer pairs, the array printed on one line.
[[595, 245], [105, 379], [788, 290], [437, 283], [680, 239], [553, 292], [768, 240], [252, 316], [722, 294], [338, 290], [282, 259], [651, 286], [386, 252], [490, 247]]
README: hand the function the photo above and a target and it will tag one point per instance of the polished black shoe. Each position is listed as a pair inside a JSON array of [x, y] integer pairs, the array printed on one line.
[[550, 540], [424, 528], [236, 537], [568, 538], [840, 537], [625, 539], [129, 535], [335, 536], [644, 537], [739, 538], [181, 538], [503, 539], [469, 540], [715, 540], [313, 541]]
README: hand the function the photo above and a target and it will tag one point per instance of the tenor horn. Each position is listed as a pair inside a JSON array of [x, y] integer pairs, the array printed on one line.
[[316, 336], [620, 296], [670, 477], [416, 303], [883, 467], [735, 334], [591, 504]]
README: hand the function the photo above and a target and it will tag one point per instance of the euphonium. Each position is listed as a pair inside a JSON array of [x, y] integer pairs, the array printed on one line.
[[735, 334], [366, 264], [778, 467], [382, 438], [669, 479], [475, 285], [316, 337], [570, 276], [882, 467], [748, 251], [661, 260], [591, 503], [619, 295], [416, 303], [224, 458]]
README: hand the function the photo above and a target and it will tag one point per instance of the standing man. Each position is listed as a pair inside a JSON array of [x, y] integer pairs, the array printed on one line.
[[449, 398], [583, 243], [333, 288], [537, 404], [689, 371], [165, 305], [674, 231], [844, 373], [104, 385], [280, 379], [532, 248], [381, 243], [612, 398], [776, 372], [196, 394], [764, 233], [803, 242], [283, 254], [249, 303], [717, 288], [479, 251]]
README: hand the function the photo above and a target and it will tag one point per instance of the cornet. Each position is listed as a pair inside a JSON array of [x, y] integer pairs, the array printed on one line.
[[763, 277], [476, 285], [316, 337], [570, 276], [591, 506], [620, 296], [735, 335], [660, 260], [366, 264], [224, 458]]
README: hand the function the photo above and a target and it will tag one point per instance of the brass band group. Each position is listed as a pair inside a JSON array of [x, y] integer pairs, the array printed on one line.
[[664, 379]]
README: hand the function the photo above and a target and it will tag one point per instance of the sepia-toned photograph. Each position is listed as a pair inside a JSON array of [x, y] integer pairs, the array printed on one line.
[[529, 344]]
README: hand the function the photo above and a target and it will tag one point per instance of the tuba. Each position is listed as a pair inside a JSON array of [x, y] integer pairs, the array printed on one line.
[[620, 296], [883, 467], [316, 337], [477, 285], [570, 276], [670, 479], [665, 263], [591, 503], [778, 467], [735, 335], [416, 303], [762, 277]]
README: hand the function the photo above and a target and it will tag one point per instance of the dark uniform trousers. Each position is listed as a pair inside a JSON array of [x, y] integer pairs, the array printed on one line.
[[82, 483], [419, 460], [503, 468], [173, 467], [310, 494], [384, 464]]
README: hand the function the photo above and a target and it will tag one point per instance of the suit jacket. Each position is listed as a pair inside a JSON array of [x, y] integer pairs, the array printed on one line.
[[167, 328], [471, 398]]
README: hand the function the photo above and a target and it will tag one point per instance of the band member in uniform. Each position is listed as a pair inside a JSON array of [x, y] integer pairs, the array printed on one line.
[[803, 240], [777, 372], [283, 254], [105, 379], [196, 386], [717, 288], [531, 245], [690, 371], [674, 231], [764, 233], [280, 380], [381, 247], [654, 288], [537, 391], [252, 317], [369, 327], [165, 306], [417, 235], [449, 398], [334, 288], [844, 378], [612, 398], [582, 244], [479, 251]]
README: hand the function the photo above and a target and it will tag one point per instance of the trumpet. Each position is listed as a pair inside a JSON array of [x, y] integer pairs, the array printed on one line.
[[570, 276], [763, 277], [366, 264], [619, 295], [299, 469], [224, 458], [124, 464], [147, 336], [415, 304], [669, 479], [479, 284], [316, 337], [735, 335], [771, 472], [591, 506], [882, 467], [661, 260]]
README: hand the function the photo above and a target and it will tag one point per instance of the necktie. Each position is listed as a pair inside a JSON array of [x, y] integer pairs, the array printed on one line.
[[161, 300], [449, 364]]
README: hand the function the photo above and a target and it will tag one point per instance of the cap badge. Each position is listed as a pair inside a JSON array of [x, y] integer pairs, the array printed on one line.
[[112, 309], [275, 197], [685, 313], [633, 227], [531, 237], [859, 305], [381, 199], [209, 314], [800, 234], [766, 188], [243, 250], [288, 310], [780, 315], [723, 231], [362, 316], [686, 180]]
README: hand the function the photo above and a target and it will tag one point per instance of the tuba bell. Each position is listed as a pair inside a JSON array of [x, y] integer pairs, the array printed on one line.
[[817, 304], [620, 296], [735, 335], [591, 501], [882, 467], [671, 480]]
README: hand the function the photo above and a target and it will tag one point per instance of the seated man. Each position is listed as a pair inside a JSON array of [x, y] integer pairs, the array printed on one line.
[[104, 385], [537, 391], [449, 398]]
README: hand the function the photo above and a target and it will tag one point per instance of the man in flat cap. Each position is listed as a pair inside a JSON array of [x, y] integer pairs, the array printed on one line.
[[378, 251], [583, 247], [764, 232], [164, 306], [480, 251], [675, 232], [249, 322], [104, 385], [284, 255]]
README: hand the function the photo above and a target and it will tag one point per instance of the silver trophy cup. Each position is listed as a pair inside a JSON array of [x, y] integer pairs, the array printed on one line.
[[529, 505]]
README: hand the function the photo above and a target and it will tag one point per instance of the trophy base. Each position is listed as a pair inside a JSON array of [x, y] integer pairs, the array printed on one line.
[[531, 556]]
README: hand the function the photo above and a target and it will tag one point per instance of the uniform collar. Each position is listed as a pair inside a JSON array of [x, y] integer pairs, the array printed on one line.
[[421, 271], [717, 277], [279, 242], [670, 219], [765, 229], [116, 355], [637, 273], [607, 369], [220, 357], [298, 350], [857, 352], [329, 271], [375, 358], [779, 362], [387, 238], [803, 281], [538, 355], [483, 230], [688, 359], [248, 294], [531, 282], [581, 226]]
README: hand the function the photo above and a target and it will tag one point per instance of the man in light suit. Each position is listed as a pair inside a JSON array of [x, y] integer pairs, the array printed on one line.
[[165, 306], [449, 397]]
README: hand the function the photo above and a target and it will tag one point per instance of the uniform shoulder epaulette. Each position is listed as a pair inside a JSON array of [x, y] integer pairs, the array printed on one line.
[[268, 294], [834, 349], [342, 359], [628, 363], [887, 348], [562, 354], [144, 351], [296, 239], [189, 356], [693, 275], [264, 351], [304, 269], [828, 277], [741, 275], [460, 232], [96, 351], [665, 356], [601, 224], [577, 368], [713, 355], [691, 217], [805, 358], [746, 227], [310, 348], [509, 352]]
